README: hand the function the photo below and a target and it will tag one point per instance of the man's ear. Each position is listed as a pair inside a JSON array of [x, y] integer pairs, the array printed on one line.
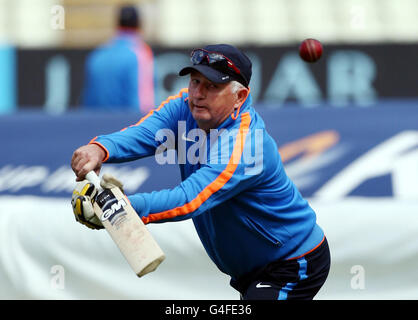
[[241, 96]]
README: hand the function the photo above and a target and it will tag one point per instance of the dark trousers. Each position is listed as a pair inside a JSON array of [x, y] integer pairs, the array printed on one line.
[[293, 279]]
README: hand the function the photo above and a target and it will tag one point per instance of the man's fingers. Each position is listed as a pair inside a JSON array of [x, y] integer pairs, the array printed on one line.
[[84, 166], [78, 165], [82, 176], [78, 160], [87, 167], [85, 159]]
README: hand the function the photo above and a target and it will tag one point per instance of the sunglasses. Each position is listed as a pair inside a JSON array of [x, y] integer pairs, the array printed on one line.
[[216, 60]]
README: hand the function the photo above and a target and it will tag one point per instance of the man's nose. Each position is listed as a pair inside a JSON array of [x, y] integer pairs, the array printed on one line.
[[200, 91]]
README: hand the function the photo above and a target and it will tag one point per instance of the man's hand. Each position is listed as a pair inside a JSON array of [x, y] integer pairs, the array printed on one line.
[[87, 158], [82, 203]]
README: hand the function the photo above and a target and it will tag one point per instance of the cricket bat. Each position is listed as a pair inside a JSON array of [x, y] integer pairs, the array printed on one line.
[[126, 228]]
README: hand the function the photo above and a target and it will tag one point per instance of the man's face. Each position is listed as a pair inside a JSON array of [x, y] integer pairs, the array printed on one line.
[[210, 103]]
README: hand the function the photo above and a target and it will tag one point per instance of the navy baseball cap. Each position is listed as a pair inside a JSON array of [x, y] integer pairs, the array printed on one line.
[[220, 63]]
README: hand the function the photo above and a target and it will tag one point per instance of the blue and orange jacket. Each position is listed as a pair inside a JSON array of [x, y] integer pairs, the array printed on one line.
[[120, 76], [246, 213]]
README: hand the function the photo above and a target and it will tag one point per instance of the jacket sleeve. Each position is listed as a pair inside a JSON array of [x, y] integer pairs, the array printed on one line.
[[209, 186], [141, 139]]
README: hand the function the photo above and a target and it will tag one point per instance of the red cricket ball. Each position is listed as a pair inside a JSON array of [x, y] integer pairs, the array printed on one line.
[[310, 50]]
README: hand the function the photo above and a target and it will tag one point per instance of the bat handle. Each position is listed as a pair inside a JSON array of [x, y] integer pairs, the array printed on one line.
[[93, 178]]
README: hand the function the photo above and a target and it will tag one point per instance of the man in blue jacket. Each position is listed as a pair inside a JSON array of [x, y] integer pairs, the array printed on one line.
[[119, 75], [252, 220]]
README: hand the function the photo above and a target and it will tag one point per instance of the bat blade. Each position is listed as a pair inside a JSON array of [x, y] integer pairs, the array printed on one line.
[[128, 231]]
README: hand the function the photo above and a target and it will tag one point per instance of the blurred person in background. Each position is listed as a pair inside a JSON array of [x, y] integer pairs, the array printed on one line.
[[119, 75]]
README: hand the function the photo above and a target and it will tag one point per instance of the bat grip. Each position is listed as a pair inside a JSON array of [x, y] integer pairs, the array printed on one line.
[[93, 178]]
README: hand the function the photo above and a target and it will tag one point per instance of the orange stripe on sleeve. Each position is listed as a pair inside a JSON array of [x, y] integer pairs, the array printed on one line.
[[149, 114], [214, 186], [185, 90], [93, 141]]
